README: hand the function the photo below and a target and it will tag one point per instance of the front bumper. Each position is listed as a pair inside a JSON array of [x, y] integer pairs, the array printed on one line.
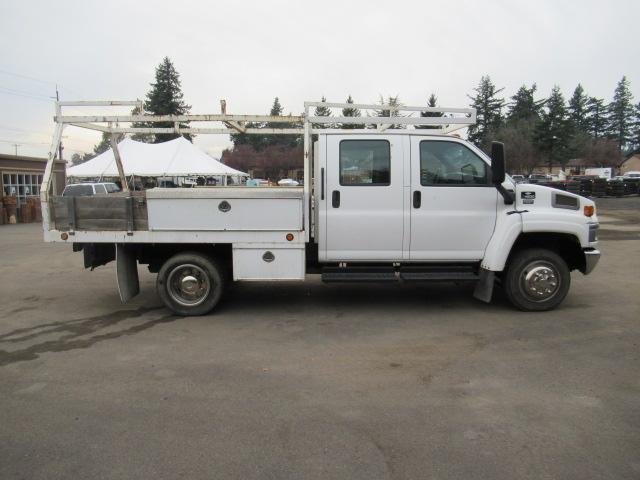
[[591, 258]]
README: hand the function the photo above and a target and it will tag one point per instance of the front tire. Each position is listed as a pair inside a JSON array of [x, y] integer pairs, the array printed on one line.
[[190, 283], [537, 280]]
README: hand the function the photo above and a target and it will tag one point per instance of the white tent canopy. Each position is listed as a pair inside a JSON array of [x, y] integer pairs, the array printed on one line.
[[175, 158]]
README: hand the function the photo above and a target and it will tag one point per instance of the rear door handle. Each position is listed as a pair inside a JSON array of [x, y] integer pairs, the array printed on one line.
[[417, 199], [335, 199]]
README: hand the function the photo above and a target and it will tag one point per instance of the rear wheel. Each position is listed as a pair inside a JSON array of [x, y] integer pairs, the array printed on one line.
[[536, 280], [190, 283]]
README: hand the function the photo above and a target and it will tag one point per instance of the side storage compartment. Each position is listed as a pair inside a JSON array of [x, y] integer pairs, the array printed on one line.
[[268, 263]]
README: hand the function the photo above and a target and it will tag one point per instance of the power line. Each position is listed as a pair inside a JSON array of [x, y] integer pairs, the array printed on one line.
[[32, 97], [40, 80], [25, 92], [37, 132], [24, 143], [19, 75]]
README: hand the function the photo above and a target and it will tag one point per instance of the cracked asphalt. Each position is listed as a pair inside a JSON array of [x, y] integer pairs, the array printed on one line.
[[313, 381]]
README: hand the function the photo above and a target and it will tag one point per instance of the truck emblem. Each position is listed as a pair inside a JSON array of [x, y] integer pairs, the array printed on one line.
[[224, 206]]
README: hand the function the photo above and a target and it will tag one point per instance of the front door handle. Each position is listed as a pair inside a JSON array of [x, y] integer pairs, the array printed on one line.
[[417, 199], [335, 199]]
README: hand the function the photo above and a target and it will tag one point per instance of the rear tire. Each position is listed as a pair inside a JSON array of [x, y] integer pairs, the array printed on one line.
[[191, 283], [536, 280]]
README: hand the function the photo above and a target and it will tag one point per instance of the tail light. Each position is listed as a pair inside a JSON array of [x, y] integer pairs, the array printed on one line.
[[589, 210]]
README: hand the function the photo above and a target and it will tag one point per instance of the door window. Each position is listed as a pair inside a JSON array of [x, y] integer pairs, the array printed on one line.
[[365, 162], [100, 189], [450, 163]]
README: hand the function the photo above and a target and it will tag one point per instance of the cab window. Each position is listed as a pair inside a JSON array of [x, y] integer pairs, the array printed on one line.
[[365, 162], [450, 163]]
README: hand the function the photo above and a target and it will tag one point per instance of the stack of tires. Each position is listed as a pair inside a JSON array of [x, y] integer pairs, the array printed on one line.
[[586, 187], [599, 187], [632, 186], [573, 186], [616, 188]]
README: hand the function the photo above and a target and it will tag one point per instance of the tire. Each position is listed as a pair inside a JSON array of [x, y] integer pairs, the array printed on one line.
[[536, 280], [191, 284]]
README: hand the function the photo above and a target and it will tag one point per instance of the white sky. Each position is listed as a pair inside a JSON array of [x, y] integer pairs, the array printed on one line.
[[251, 51]]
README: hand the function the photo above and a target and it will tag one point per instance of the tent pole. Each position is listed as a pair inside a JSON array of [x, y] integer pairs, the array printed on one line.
[[116, 155]]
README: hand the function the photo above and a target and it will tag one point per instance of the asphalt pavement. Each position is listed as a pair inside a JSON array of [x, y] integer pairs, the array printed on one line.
[[314, 381]]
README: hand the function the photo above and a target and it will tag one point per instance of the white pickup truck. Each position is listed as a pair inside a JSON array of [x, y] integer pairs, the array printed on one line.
[[379, 204]]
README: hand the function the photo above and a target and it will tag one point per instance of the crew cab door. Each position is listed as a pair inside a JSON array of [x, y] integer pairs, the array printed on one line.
[[453, 207], [363, 200]]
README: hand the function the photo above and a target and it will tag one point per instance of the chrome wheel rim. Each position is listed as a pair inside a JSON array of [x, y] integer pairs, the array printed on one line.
[[540, 281], [188, 285]]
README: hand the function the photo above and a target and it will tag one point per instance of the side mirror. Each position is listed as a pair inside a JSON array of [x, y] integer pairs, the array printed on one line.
[[497, 163], [498, 172]]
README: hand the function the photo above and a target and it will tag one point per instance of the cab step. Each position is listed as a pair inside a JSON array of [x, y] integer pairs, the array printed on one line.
[[438, 273], [433, 273], [359, 274]]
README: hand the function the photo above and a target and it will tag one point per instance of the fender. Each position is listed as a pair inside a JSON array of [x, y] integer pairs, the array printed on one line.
[[508, 229]]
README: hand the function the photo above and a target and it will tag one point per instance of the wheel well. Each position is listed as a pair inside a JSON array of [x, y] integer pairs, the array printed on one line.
[[564, 244], [156, 254]]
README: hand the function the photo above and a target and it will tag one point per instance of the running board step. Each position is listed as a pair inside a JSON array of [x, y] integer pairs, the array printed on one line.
[[359, 274], [433, 273], [436, 273]]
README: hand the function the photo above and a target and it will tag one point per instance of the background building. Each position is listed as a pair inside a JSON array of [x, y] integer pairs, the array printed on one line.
[[21, 177]]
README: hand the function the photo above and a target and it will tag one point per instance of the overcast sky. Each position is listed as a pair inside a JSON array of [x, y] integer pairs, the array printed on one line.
[[251, 51]]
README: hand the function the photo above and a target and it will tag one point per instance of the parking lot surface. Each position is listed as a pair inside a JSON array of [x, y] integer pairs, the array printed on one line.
[[314, 381]]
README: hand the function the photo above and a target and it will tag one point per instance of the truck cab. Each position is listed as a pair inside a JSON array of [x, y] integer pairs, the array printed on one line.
[[427, 207]]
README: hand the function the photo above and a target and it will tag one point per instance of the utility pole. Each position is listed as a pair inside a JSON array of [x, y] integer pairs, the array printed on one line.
[[16, 145]]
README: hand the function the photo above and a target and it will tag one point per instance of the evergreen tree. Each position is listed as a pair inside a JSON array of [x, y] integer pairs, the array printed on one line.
[[621, 114], [552, 134], [578, 110], [103, 145], [141, 137], [391, 102], [636, 129], [322, 111], [524, 106], [284, 140], [166, 98], [431, 102], [488, 111], [276, 108], [351, 112], [596, 117]]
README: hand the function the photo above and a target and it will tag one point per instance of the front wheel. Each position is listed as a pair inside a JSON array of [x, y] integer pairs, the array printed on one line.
[[190, 283], [536, 280]]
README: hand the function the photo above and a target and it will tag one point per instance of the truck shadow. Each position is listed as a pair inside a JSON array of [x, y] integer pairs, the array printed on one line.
[[74, 334], [255, 298]]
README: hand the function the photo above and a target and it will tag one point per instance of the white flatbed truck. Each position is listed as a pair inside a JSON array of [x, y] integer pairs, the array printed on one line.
[[394, 202]]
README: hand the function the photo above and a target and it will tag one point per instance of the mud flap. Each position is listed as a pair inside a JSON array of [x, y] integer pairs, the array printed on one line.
[[484, 287], [127, 272]]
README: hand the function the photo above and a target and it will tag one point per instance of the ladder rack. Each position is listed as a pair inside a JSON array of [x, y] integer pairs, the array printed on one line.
[[400, 118]]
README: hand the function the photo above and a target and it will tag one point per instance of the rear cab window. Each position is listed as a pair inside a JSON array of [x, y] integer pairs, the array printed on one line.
[[365, 163], [100, 189]]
